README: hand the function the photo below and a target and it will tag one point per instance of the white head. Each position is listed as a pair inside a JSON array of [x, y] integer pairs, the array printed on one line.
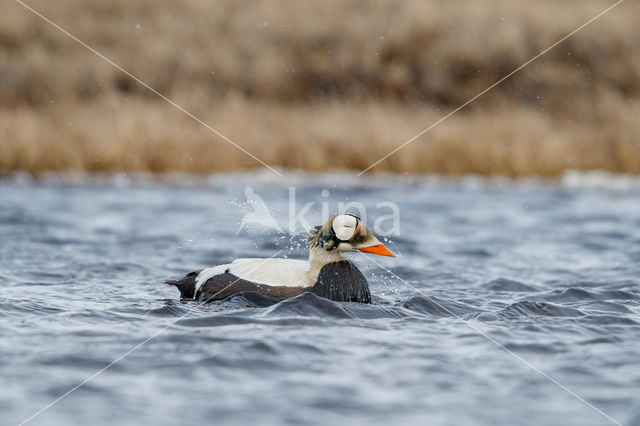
[[346, 232], [344, 226]]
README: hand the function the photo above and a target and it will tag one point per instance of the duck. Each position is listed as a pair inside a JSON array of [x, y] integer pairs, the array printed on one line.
[[327, 273]]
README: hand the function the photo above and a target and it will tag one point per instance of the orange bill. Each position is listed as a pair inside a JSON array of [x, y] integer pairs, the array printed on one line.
[[379, 249]]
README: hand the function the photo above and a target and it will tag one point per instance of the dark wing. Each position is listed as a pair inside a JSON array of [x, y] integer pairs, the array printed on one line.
[[221, 286]]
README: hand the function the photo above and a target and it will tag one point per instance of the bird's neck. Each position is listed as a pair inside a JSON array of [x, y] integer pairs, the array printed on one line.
[[318, 257]]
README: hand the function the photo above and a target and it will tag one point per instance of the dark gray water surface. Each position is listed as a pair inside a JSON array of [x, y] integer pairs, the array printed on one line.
[[549, 271]]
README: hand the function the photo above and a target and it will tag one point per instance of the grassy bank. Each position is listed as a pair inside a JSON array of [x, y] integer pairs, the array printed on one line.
[[318, 86]]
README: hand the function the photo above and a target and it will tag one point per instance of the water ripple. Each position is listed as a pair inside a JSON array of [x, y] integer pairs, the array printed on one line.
[[548, 271]]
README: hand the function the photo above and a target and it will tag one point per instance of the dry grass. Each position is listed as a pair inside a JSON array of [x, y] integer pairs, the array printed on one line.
[[320, 85]]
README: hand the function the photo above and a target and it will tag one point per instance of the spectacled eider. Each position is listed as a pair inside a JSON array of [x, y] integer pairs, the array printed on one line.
[[327, 273]]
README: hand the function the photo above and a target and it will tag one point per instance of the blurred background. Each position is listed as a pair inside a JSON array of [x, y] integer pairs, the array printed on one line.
[[320, 86]]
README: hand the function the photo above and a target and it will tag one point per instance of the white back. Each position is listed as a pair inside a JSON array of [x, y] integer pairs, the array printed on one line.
[[273, 272]]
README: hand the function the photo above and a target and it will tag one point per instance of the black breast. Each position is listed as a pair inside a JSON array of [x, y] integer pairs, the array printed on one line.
[[343, 282]]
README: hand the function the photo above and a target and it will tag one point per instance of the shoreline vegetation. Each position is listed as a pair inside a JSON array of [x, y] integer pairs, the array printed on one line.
[[320, 86]]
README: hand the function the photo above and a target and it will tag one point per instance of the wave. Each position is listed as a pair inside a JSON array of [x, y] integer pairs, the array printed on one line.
[[438, 307], [574, 294], [527, 308], [505, 284]]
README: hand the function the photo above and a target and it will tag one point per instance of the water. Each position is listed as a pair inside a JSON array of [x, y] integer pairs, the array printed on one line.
[[549, 271]]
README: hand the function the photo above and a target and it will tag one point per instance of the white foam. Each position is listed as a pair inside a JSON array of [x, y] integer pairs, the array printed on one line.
[[600, 179]]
